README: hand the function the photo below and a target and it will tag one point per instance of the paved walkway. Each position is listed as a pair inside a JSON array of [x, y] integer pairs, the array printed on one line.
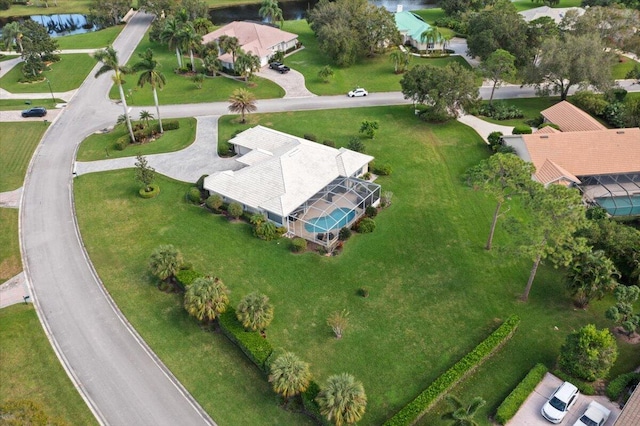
[[484, 128], [292, 82], [11, 199], [14, 291]]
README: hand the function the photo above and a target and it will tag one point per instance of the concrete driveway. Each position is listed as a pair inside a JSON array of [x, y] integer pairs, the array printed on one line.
[[529, 413]]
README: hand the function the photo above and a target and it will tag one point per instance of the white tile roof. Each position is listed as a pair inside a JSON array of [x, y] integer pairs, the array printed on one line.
[[556, 13], [284, 171]]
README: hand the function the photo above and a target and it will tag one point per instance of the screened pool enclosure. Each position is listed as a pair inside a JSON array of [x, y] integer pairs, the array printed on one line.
[[618, 194]]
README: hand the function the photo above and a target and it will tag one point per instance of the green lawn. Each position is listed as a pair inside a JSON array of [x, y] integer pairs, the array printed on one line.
[[10, 263], [96, 146], [7, 57], [30, 370], [20, 104], [96, 39], [64, 75], [530, 107], [434, 292], [17, 144], [180, 89], [622, 67], [375, 74]]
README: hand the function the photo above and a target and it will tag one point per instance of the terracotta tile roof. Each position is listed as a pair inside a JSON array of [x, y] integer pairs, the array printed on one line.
[[550, 172], [610, 151], [253, 37], [570, 118], [630, 415], [547, 129]]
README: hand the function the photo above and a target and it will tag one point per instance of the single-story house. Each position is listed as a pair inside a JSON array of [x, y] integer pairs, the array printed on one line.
[[412, 28], [603, 164], [570, 118], [557, 14], [262, 40], [311, 189]]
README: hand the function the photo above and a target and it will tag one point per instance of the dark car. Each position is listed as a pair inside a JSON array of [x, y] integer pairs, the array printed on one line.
[[35, 112], [280, 67]]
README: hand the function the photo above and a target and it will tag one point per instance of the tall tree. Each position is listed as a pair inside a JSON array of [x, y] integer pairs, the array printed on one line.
[[172, 35], [191, 41], [150, 73], [447, 90], [557, 212], [165, 261], [255, 312], [290, 376], [431, 37], [400, 60], [588, 353], [461, 414], [212, 64], [559, 69], [36, 41], [229, 44], [342, 399], [246, 64], [206, 298], [498, 67], [107, 13], [11, 33], [270, 11], [502, 176], [590, 276], [242, 101], [110, 63], [203, 26], [622, 312]]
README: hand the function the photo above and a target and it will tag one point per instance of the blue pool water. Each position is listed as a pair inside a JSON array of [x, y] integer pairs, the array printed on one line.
[[337, 219], [621, 206]]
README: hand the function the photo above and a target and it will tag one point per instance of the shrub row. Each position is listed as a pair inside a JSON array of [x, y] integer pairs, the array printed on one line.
[[584, 387], [617, 385], [514, 400], [254, 346], [522, 130], [416, 408], [170, 125], [501, 111], [186, 277], [309, 403]]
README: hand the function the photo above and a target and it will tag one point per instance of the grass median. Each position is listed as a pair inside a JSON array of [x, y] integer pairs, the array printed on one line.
[[434, 290], [19, 140]]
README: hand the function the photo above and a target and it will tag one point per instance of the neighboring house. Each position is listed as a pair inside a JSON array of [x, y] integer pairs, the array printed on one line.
[[603, 164], [630, 415], [570, 118], [262, 40], [554, 13], [310, 189], [412, 27]]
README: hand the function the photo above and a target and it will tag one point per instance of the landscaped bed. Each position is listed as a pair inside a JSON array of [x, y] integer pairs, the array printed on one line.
[[66, 74], [434, 292]]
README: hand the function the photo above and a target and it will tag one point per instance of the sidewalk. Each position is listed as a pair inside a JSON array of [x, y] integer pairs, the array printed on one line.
[[14, 291], [484, 128]]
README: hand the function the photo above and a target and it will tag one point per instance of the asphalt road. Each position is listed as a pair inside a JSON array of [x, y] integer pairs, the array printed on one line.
[[120, 378]]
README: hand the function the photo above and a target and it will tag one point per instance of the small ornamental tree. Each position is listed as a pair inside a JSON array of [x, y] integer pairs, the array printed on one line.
[[289, 376], [461, 414], [338, 321], [235, 210], [369, 128], [165, 261], [588, 353], [214, 202], [622, 313], [255, 312], [342, 400], [145, 174], [206, 298], [325, 73], [591, 275]]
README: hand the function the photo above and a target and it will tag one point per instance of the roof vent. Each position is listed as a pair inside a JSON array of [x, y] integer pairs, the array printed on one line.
[[620, 132], [544, 137]]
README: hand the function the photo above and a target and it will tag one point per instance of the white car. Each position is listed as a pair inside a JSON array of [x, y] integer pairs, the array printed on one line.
[[357, 92], [560, 402], [595, 415]]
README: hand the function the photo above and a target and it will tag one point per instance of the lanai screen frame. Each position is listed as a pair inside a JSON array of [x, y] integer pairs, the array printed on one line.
[[624, 185], [343, 192]]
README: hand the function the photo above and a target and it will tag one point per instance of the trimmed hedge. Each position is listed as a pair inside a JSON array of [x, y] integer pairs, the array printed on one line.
[[186, 277], [412, 412], [155, 190], [522, 130], [309, 403], [618, 385], [254, 346], [170, 125], [585, 387], [516, 398]]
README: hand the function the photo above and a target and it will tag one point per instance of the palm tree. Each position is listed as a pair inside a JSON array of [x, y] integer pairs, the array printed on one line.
[[246, 64], [109, 59], [172, 35], [212, 64], [462, 415], [202, 26], [290, 376], [191, 41], [10, 33], [229, 44], [430, 36], [342, 400], [400, 60], [242, 101], [165, 261], [255, 312], [270, 11], [206, 298], [146, 116], [150, 73]]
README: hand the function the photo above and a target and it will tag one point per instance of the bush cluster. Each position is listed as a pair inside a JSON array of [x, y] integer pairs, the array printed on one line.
[[584, 387], [186, 277], [330, 143], [522, 130], [344, 234], [618, 385], [612, 107], [310, 137], [194, 194], [516, 398], [298, 245], [416, 408], [122, 142], [454, 23], [371, 211], [366, 225], [171, 125], [501, 111], [155, 190], [309, 402], [255, 347], [382, 169]]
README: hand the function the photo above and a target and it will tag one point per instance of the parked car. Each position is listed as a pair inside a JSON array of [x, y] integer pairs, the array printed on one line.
[[595, 415], [560, 402], [35, 112], [280, 67], [357, 92]]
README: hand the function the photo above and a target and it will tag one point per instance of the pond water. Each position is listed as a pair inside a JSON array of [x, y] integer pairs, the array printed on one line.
[[67, 24]]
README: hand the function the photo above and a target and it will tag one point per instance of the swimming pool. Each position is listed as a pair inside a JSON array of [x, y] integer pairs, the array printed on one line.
[[337, 219], [621, 206]]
